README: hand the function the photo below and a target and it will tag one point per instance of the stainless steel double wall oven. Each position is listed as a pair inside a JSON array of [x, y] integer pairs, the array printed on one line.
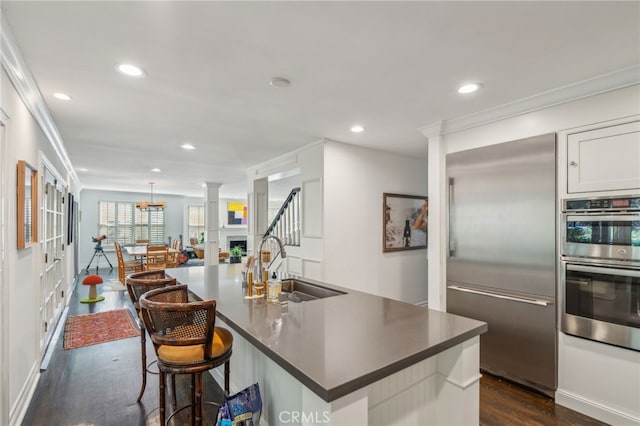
[[600, 277]]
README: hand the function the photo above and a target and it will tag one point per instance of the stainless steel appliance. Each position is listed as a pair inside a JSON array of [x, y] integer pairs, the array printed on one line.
[[602, 229], [600, 284], [501, 267]]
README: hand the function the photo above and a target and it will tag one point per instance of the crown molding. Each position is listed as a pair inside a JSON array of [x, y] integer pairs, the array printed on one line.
[[22, 79], [432, 130], [619, 79]]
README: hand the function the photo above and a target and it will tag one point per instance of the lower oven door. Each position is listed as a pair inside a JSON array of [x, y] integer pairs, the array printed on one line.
[[602, 303]]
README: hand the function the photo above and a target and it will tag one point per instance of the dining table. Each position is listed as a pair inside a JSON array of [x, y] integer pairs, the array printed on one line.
[[140, 251]]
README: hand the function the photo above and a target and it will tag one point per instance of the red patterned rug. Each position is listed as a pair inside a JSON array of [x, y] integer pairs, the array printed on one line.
[[91, 329]]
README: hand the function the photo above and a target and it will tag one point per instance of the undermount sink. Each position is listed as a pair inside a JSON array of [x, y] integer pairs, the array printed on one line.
[[294, 290]]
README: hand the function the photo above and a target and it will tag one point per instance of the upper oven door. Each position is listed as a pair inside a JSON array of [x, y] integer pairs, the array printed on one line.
[[614, 237]]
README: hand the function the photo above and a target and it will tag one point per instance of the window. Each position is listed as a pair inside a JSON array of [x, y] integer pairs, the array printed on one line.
[[121, 221], [195, 225]]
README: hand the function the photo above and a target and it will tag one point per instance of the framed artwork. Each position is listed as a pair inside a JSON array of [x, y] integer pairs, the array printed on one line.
[[236, 213], [70, 218], [27, 214], [404, 222]]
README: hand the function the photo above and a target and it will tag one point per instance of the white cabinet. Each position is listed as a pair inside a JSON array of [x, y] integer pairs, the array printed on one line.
[[605, 159]]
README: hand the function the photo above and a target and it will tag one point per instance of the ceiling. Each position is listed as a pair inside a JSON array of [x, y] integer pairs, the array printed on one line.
[[389, 66]]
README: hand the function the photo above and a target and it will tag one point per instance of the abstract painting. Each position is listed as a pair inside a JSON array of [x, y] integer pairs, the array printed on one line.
[[237, 213]]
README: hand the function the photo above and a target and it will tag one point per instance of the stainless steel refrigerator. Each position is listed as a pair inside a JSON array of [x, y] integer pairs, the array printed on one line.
[[502, 259]]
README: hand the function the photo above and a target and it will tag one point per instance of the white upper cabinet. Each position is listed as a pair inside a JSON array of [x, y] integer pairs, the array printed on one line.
[[605, 159]]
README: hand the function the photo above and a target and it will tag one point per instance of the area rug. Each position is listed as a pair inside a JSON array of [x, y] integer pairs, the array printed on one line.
[[101, 327], [193, 262]]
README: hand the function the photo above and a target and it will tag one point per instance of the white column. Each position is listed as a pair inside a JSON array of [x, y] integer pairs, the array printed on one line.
[[258, 213], [212, 242], [437, 236]]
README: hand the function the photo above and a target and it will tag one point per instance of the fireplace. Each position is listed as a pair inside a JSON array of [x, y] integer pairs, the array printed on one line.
[[234, 241]]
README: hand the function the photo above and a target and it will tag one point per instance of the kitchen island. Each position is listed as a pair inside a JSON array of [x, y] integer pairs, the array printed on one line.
[[348, 359]]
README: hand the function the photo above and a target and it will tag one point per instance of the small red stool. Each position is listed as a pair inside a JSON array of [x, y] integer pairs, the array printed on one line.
[[92, 281]]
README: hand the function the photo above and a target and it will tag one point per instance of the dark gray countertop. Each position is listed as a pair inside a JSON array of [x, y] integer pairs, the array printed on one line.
[[335, 345]]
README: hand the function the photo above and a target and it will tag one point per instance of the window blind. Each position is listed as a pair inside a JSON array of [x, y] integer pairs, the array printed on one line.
[[196, 221], [121, 221]]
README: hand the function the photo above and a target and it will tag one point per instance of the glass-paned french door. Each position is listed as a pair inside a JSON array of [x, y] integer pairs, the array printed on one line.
[[52, 297]]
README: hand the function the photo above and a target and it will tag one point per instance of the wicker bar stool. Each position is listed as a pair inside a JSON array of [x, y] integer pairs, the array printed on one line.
[[138, 284], [186, 341]]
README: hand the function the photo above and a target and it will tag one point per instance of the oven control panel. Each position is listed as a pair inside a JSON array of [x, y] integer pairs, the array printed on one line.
[[600, 204]]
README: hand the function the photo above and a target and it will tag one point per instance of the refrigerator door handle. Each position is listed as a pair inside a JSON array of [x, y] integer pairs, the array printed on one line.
[[538, 302], [452, 245]]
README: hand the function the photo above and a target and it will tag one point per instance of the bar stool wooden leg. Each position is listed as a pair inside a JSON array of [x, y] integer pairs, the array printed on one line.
[[198, 399], [173, 392], [161, 408], [227, 373], [143, 348]]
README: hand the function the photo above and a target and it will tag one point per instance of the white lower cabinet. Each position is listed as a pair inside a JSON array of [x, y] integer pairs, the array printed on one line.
[[604, 159]]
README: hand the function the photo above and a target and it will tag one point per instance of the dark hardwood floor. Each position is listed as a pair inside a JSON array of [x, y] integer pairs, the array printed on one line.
[[503, 403], [98, 385]]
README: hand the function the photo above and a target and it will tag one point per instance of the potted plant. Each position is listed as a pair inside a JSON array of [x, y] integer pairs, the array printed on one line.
[[235, 254]]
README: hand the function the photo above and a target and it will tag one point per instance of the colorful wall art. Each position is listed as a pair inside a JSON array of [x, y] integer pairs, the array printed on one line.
[[237, 213]]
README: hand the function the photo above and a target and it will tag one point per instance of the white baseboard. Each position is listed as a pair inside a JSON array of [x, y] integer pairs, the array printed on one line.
[[424, 304], [596, 410], [19, 409]]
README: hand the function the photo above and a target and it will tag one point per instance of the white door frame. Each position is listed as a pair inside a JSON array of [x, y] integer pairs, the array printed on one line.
[[53, 272]]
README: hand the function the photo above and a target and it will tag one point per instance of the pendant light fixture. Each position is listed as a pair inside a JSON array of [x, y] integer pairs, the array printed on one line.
[[151, 205]]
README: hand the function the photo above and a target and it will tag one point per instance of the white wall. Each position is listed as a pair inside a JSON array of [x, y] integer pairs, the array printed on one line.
[[594, 378], [20, 302], [342, 187], [355, 179]]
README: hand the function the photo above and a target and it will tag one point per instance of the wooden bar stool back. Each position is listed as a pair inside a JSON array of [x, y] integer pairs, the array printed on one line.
[[137, 285], [186, 341]]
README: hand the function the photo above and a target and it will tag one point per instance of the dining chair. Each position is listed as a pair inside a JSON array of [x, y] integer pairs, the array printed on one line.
[[173, 260], [141, 243], [125, 266], [186, 341], [157, 258]]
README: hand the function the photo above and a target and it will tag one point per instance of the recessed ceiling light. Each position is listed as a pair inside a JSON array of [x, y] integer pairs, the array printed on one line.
[[468, 88], [187, 146], [131, 70], [82, 169], [204, 185], [155, 169], [62, 96], [279, 82], [357, 128]]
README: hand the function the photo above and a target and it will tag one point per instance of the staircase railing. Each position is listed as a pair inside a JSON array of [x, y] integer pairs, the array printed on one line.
[[286, 223]]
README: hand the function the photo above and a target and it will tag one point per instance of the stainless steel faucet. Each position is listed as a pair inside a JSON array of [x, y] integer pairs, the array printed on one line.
[[283, 252]]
